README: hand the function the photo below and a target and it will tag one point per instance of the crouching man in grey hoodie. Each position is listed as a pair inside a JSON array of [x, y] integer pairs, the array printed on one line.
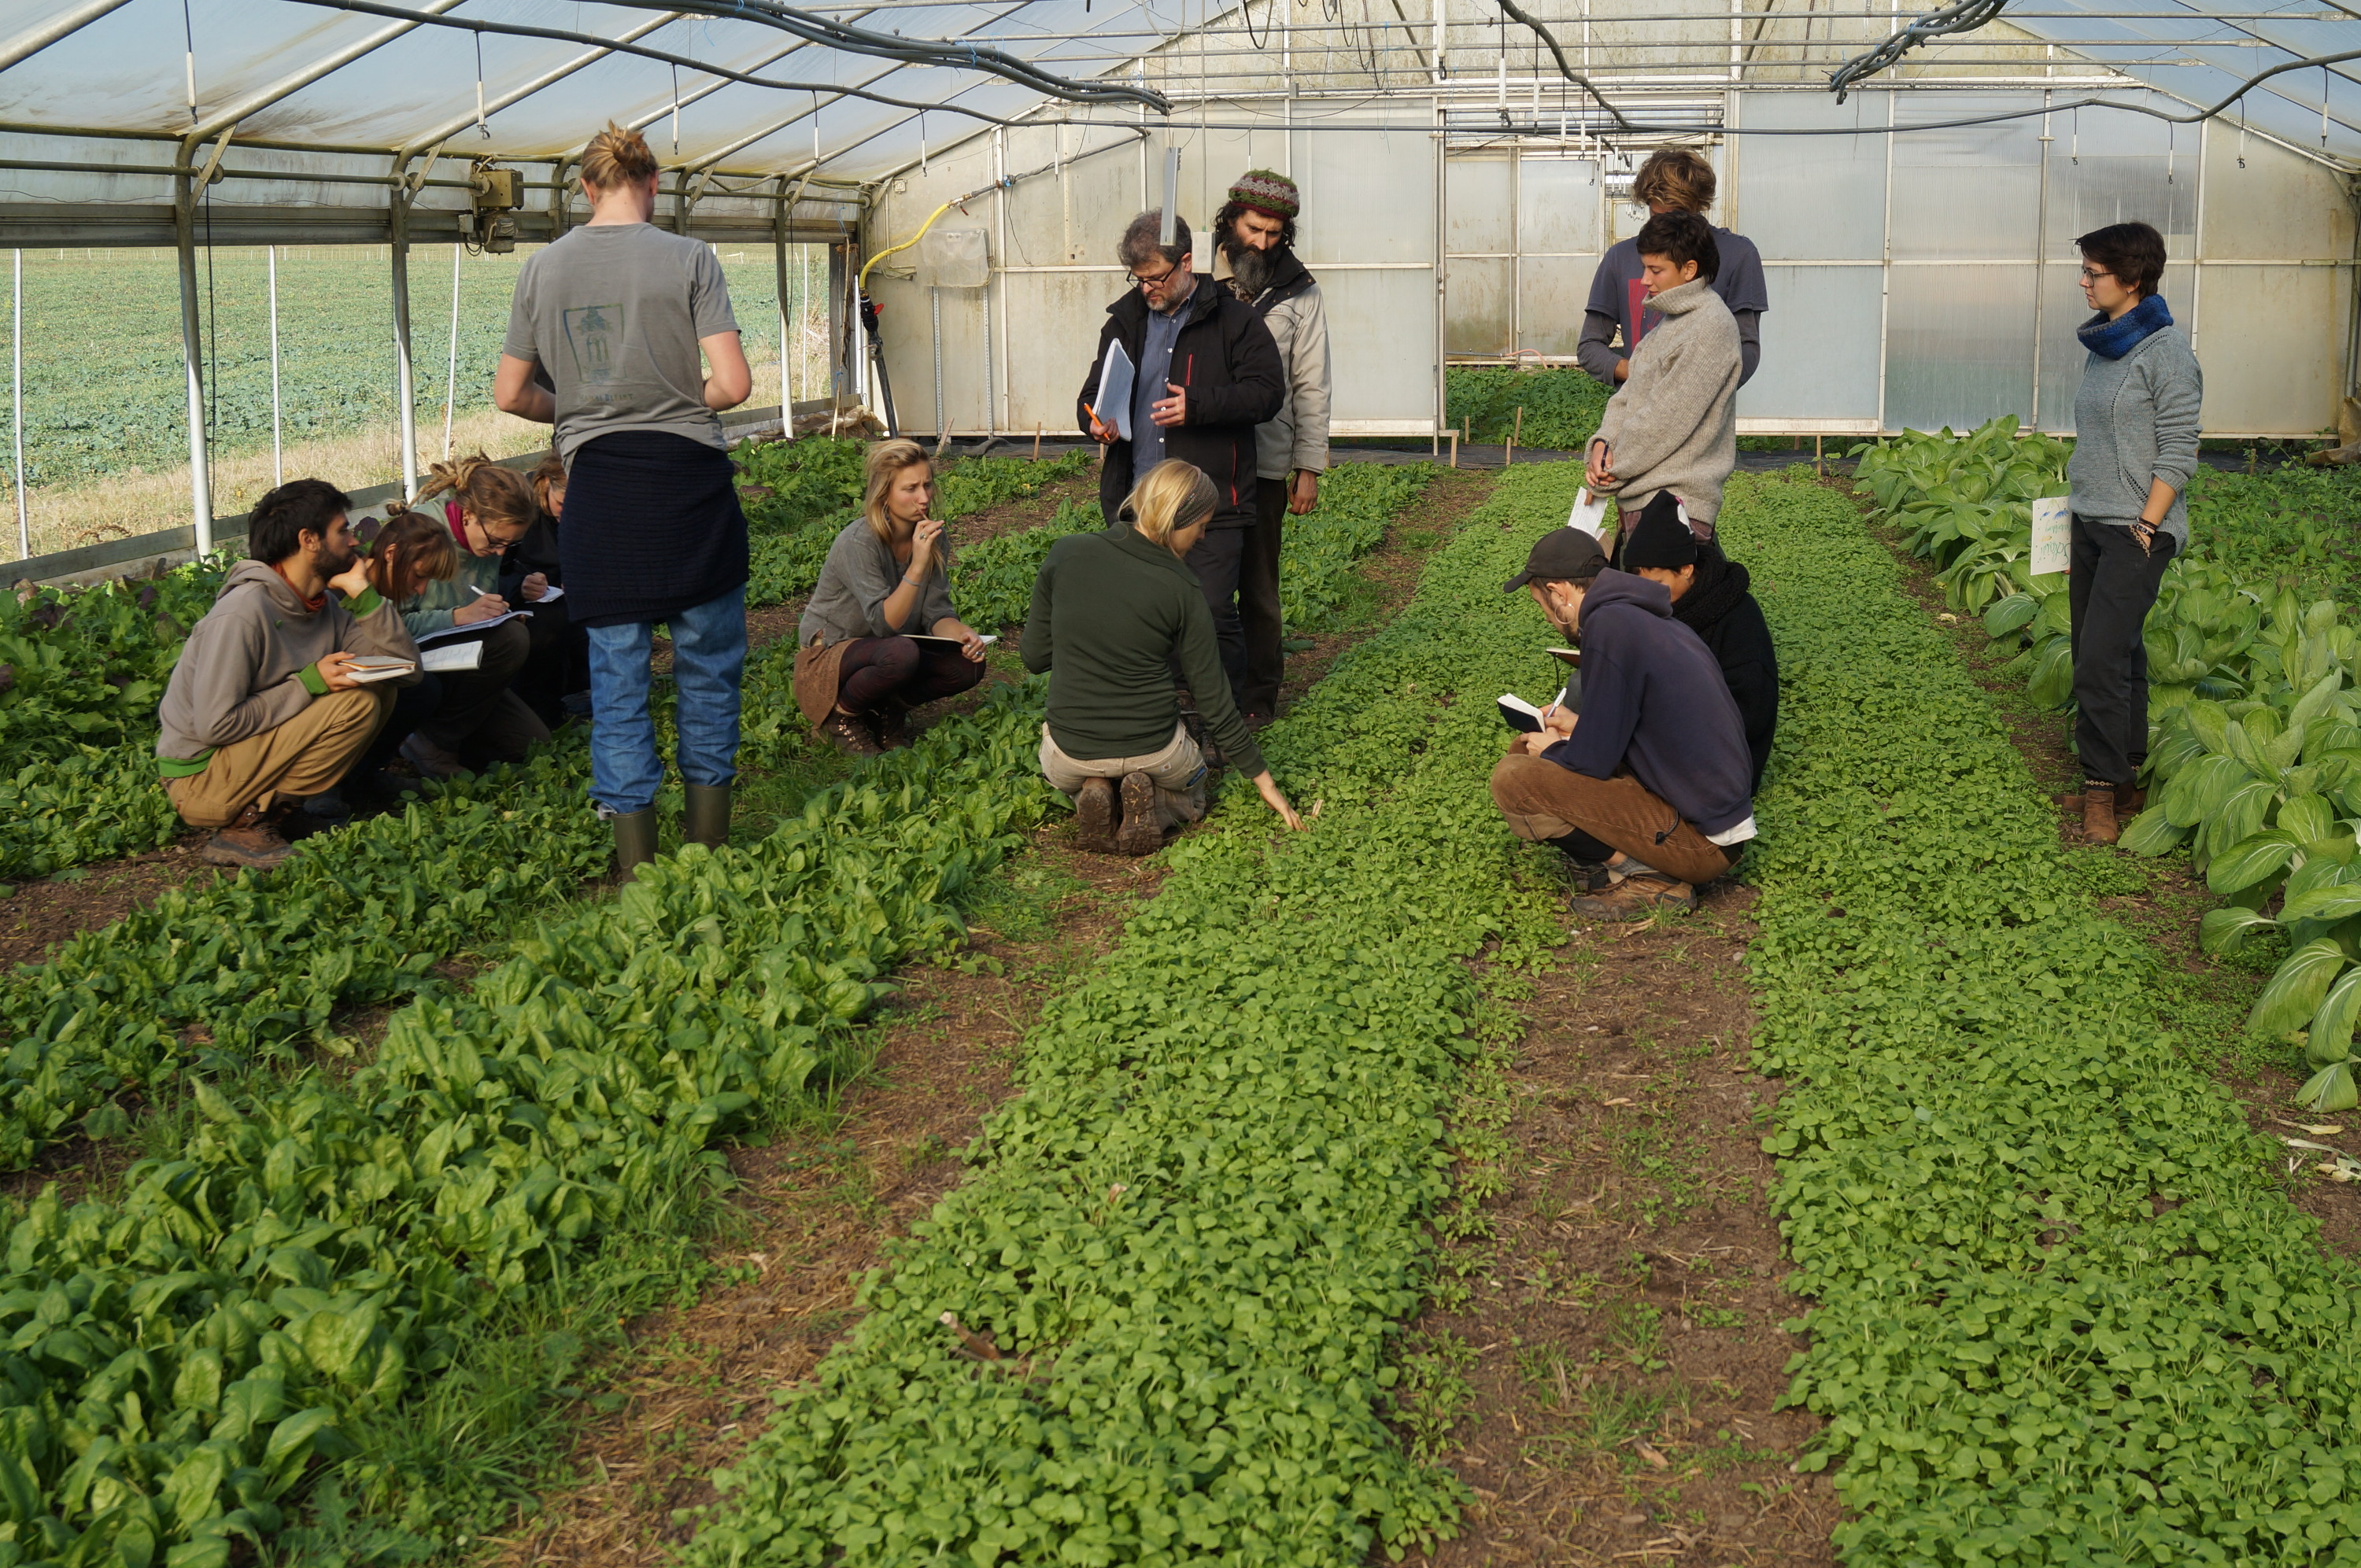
[[266, 708], [1673, 425]]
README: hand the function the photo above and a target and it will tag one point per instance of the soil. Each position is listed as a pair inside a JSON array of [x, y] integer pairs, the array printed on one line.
[[816, 1211], [1621, 1344], [35, 916], [2206, 999]]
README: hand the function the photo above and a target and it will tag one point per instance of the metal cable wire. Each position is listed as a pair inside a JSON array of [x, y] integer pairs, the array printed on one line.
[[1511, 8], [1960, 16]]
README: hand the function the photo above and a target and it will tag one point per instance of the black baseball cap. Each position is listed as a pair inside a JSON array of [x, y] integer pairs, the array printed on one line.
[[1559, 555]]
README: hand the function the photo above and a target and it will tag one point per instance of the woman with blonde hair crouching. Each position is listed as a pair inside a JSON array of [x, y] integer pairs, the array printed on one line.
[[859, 669], [1113, 613]]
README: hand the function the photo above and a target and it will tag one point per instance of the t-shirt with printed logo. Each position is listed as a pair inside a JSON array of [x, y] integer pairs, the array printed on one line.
[[613, 314]]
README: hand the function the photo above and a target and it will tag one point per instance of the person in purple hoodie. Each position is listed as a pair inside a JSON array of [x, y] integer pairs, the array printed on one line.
[[1649, 786]]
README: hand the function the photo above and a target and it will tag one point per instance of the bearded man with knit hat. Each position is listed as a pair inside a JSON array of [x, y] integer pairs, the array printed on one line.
[[1254, 232]]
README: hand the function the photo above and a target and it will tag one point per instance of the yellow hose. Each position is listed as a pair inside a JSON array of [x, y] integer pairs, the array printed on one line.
[[863, 281]]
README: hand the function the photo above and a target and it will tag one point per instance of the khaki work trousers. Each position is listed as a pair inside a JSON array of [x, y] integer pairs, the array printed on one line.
[[1178, 772], [1544, 802], [302, 757]]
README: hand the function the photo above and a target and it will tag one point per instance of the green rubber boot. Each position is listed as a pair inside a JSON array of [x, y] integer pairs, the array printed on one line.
[[635, 841], [707, 820]]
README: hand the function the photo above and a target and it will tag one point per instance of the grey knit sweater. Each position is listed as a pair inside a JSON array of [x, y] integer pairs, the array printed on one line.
[[2134, 421], [1673, 425]]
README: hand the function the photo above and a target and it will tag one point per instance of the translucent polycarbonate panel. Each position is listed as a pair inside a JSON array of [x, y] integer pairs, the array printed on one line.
[[1959, 345], [2063, 313], [1551, 291], [1368, 195], [2277, 205], [1212, 157], [908, 327], [1053, 333], [1381, 343], [1820, 346], [2270, 340], [1811, 198], [2107, 167], [1968, 193], [1559, 206], [1475, 198], [1476, 318], [1072, 215]]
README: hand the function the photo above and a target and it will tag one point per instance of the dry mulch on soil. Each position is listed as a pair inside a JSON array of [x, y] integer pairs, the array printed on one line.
[[1621, 1343]]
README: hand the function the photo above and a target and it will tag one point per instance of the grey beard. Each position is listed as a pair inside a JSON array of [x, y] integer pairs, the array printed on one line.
[[1253, 269]]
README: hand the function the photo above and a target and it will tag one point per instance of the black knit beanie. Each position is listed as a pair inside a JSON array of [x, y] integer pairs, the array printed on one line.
[[1661, 538]]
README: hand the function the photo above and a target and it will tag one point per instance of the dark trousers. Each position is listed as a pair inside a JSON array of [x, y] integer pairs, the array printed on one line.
[[479, 718], [1258, 616], [556, 661], [2110, 586], [878, 670], [1219, 560]]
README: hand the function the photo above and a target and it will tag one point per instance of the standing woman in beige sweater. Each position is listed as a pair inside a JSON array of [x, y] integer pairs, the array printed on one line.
[[1674, 423]]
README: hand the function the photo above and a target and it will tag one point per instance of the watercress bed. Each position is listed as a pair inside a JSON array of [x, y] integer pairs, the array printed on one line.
[[2061, 1314]]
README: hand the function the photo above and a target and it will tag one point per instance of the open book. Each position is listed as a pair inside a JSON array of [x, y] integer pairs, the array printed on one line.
[[1519, 714], [469, 629], [444, 658]]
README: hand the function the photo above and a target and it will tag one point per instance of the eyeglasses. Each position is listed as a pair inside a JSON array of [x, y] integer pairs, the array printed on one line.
[[2091, 276], [1160, 279]]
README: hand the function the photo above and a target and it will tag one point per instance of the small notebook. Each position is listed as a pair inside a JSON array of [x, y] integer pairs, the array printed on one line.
[[1113, 404], [952, 642], [1567, 657], [366, 668], [1519, 714], [1590, 514], [470, 629], [451, 657]]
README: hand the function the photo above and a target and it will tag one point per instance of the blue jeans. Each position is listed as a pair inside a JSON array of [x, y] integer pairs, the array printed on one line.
[[708, 660]]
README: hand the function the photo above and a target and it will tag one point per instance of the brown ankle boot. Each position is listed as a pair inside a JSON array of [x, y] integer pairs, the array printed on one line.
[[2099, 813], [1095, 814]]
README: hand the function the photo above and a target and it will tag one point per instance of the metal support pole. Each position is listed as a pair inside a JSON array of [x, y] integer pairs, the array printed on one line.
[[405, 385], [184, 234], [451, 375], [278, 462], [16, 426], [843, 360], [942, 418], [779, 264]]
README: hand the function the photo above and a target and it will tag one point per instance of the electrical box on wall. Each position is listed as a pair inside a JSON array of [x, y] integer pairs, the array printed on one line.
[[492, 193], [954, 258], [492, 187]]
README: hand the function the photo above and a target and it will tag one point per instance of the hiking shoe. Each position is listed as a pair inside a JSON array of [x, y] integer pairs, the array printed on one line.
[[1141, 833], [2099, 824], [849, 734], [891, 724], [328, 805], [1636, 897], [1095, 816], [251, 844], [1257, 722], [431, 760], [1194, 723]]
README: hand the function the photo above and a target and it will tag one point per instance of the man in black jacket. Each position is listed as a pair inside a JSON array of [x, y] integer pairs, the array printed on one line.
[[1710, 598], [1207, 374], [1651, 777]]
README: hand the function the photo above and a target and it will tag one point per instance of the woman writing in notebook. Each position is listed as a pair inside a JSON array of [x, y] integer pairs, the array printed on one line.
[[879, 636]]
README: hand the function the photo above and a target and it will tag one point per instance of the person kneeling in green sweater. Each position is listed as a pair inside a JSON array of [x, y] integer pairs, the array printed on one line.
[[1113, 613]]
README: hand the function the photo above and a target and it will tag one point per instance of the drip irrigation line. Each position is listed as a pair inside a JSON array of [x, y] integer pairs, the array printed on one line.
[[1510, 7], [567, 35], [1960, 16]]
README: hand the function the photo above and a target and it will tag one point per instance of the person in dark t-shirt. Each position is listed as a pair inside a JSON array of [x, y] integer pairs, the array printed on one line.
[[1674, 181]]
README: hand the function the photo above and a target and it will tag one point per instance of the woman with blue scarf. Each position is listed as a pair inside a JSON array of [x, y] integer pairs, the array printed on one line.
[[2135, 448]]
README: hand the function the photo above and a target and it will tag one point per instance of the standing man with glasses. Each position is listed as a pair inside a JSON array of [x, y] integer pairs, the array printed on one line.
[[1207, 374]]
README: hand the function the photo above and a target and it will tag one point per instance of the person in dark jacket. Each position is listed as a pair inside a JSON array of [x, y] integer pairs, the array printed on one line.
[[1650, 779], [1710, 596], [556, 680], [1111, 613], [1207, 373]]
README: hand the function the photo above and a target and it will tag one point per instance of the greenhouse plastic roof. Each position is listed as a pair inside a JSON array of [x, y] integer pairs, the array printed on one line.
[[288, 71]]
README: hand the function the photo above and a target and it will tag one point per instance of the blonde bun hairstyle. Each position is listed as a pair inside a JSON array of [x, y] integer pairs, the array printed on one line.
[[617, 158]]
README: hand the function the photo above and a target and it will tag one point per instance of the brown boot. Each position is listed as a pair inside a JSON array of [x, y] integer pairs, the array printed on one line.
[[891, 724], [1636, 897], [1141, 833], [849, 732], [2099, 813], [251, 843], [1095, 816]]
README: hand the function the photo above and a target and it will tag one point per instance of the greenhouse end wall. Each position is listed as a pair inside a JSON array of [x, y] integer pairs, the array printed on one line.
[[1917, 280]]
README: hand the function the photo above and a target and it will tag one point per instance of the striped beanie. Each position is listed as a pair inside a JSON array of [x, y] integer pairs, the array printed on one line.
[[1266, 191]]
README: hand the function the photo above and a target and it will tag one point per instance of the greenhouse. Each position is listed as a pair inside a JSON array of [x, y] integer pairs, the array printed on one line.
[[752, 800]]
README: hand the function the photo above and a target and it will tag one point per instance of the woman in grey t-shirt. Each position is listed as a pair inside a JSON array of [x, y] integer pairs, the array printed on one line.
[[609, 337]]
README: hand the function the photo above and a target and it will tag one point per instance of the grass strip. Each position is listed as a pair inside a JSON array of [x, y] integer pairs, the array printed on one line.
[[2063, 1312], [1153, 1326]]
